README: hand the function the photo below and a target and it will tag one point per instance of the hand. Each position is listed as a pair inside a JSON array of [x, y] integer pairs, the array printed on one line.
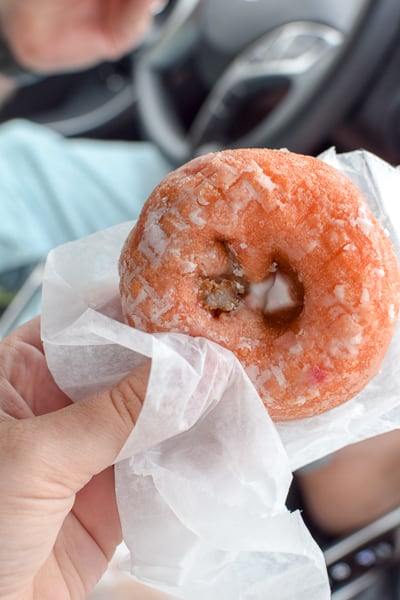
[[59, 35], [59, 523]]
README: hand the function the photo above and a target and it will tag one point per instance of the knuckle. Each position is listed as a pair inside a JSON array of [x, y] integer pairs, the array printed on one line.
[[127, 401]]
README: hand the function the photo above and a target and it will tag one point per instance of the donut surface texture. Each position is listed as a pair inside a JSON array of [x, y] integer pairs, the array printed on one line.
[[275, 256]]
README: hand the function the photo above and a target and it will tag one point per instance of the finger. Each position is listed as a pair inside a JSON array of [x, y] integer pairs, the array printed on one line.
[[68, 447], [126, 26], [27, 387], [158, 6], [29, 333]]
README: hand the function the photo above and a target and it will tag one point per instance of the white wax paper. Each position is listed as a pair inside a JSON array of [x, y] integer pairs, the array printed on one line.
[[377, 408], [202, 480]]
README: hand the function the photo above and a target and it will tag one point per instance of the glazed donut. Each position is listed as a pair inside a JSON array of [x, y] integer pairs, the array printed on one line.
[[275, 256]]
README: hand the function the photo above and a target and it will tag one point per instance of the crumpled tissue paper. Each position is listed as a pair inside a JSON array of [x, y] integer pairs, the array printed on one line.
[[203, 478]]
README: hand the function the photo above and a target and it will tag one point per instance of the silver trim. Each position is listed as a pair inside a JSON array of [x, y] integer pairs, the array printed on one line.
[[352, 589], [362, 537], [77, 125], [300, 52]]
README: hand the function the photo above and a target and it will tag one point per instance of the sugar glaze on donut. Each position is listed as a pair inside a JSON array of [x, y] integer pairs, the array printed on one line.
[[275, 256]]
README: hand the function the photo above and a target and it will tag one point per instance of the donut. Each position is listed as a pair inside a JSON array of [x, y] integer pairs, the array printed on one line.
[[275, 256]]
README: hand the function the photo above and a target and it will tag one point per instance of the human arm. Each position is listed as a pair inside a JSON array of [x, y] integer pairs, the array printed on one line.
[[59, 523]]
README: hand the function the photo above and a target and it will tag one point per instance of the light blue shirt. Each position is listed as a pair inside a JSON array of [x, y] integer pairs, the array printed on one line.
[[54, 190]]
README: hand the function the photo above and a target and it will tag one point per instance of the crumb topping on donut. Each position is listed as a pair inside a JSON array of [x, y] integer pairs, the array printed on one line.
[[221, 294]]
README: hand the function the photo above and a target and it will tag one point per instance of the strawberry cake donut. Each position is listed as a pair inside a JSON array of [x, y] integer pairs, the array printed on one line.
[[275, 256]]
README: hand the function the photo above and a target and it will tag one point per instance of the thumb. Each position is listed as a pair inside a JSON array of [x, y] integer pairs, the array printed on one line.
[[71, 445]]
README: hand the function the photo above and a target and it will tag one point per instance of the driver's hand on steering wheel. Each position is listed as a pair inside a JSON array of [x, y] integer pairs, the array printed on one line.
[[59, 35]]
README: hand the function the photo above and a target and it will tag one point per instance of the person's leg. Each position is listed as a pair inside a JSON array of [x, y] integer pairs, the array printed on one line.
[[358, 484]]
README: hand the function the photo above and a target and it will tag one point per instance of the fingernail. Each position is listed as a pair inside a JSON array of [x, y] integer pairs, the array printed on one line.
[[158, 6]]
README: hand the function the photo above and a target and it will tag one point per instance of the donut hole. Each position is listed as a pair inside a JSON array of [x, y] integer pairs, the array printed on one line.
[[285, 301], [280, 296]]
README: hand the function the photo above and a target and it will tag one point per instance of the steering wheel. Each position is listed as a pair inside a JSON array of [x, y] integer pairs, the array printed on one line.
[[247, 73]]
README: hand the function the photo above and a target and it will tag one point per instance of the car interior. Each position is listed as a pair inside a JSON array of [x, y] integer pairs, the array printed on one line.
[[214, 74]]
